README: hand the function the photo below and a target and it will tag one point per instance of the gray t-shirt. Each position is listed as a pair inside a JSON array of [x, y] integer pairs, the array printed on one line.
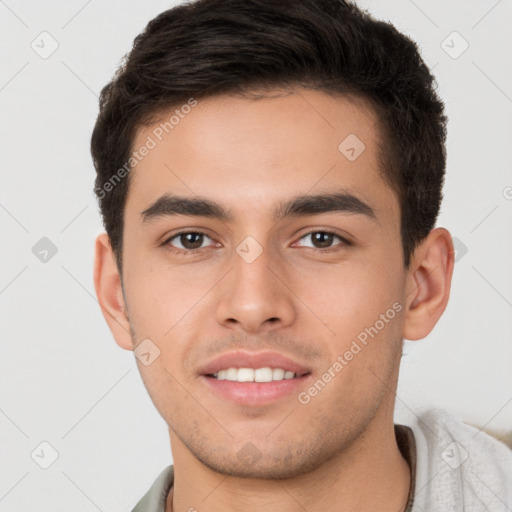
[[454, 467]]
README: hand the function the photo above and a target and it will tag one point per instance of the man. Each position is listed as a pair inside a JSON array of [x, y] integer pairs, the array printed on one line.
[[269, 175]]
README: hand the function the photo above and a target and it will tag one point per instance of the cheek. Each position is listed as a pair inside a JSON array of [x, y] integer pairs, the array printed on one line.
[[347, 297], [360, 307], [168, 306], [160, 296]]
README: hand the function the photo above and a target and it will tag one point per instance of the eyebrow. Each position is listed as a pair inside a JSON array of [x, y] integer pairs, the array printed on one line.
[[298, 206]]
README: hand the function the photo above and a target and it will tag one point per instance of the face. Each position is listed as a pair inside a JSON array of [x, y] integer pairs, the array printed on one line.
[[253, 268]]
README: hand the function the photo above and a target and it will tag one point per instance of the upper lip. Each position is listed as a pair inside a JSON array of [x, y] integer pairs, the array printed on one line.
[[242, 359]]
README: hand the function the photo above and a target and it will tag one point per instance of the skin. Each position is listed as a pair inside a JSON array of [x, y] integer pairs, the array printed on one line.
[[305, 300]]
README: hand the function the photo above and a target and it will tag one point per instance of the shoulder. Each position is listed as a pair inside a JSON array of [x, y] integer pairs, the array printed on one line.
[[459, 465], [154, 500], [444, 431]]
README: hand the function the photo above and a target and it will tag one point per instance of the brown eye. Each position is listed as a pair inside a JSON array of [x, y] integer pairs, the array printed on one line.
[[323, 240], [188, 241]]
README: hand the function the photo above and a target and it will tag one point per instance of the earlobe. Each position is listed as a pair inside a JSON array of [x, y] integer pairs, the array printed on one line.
[[107, 283], [429, 284]]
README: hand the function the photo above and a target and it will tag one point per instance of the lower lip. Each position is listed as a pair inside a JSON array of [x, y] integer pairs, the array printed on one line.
[[255, 393]]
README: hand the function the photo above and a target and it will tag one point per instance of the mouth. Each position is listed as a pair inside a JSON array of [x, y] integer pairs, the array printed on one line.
[[264, 374], [255, 387], [254, 378]]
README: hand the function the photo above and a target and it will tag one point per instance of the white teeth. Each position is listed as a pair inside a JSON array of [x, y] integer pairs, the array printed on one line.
[[277, 374], [265, 374], [245, 375], [231, 374]]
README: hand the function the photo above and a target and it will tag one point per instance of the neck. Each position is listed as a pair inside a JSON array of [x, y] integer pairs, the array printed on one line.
[[368, 475]]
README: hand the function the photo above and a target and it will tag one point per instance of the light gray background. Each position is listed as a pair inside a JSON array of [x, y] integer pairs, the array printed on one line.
[[65, 381]]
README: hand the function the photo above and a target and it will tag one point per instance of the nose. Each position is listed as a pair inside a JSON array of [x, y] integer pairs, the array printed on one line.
[[255, 296]]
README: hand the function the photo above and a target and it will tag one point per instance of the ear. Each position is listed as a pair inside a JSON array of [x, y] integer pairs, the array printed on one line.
[[107, 283], [428, 284]]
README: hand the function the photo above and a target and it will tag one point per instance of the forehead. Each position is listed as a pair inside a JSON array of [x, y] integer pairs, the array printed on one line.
[[245, 152]]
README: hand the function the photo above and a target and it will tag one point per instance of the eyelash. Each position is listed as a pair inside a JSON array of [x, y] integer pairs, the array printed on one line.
[[189, 252]]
